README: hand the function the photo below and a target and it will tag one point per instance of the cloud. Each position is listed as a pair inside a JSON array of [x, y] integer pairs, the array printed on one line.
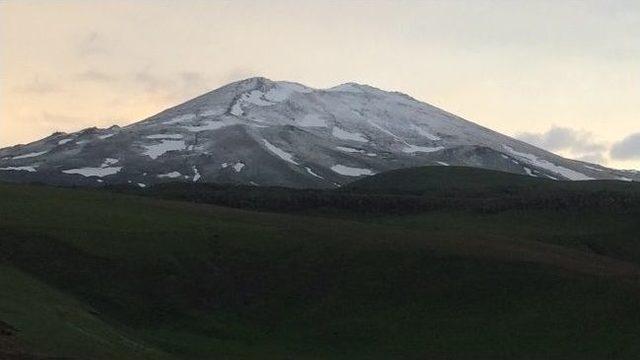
[[578, 144], [37, 87], [93, 44], [194, 80], [55, 121], [175, 87], [95, 76], [151, 82], [597, 158], [238, 74], [626, 149], [59, 118], [561, 138]]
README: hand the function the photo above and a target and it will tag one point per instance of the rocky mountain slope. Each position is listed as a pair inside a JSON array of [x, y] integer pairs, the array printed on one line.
[[264, 132]]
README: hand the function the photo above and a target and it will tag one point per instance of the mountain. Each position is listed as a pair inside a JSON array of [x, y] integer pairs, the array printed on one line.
[[263, 132]]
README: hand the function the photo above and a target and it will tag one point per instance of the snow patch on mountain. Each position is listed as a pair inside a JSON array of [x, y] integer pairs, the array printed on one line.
[[283, 90], [19, 168], [256, 97], [213, 111], [311, 172], [353, 151], [105, 169], [180, 119], [108, 162], [346, 135], [351, 171], [94, 171], [30, 155], [170, 175], [196, 174], [237, 167], [312, 120], [278, 93], [593, 168], [385, 131], [349, 150], [157, 150], [164, 136], [534, 160], [236, 109], [412, 149], [425, 133], [279, 152], [209, 125]]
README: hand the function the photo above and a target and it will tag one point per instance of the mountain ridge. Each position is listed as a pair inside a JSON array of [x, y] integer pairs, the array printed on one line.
[[262, 132]]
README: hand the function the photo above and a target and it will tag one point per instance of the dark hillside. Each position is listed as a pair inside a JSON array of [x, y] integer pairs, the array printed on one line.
[[90, 274], [415, 190]]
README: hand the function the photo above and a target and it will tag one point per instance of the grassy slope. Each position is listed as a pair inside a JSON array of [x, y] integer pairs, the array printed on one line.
[[49, 321], [167, 279], [442, 179], [427, 179], [613, 232]]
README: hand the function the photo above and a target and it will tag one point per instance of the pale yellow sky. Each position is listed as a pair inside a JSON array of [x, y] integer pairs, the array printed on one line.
[[572, 67]]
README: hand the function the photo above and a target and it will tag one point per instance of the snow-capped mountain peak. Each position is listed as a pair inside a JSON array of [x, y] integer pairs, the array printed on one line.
[[263, 132]]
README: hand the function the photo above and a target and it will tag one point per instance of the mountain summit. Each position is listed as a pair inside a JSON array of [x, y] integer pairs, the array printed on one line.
[[264, 132]]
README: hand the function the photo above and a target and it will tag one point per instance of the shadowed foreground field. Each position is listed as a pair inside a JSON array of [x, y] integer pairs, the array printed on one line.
[[98, 275]]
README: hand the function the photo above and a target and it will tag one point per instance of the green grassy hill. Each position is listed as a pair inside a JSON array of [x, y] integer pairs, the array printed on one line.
[[422, 180], [469, 180], [88, 274], [411, 191]]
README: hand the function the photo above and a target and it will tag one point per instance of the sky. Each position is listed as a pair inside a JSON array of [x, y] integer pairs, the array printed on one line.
[[563, 75]]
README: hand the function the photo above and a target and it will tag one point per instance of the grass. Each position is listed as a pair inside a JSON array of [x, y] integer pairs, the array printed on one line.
[[476, 181], [92, 274], [52, 322], [605, 232]]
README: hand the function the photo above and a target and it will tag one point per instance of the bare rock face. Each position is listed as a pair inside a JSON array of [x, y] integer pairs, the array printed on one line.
[[263, 132]]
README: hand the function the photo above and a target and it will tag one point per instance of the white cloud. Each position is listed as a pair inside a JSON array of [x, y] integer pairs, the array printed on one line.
[[627, 148], [563, 138]]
